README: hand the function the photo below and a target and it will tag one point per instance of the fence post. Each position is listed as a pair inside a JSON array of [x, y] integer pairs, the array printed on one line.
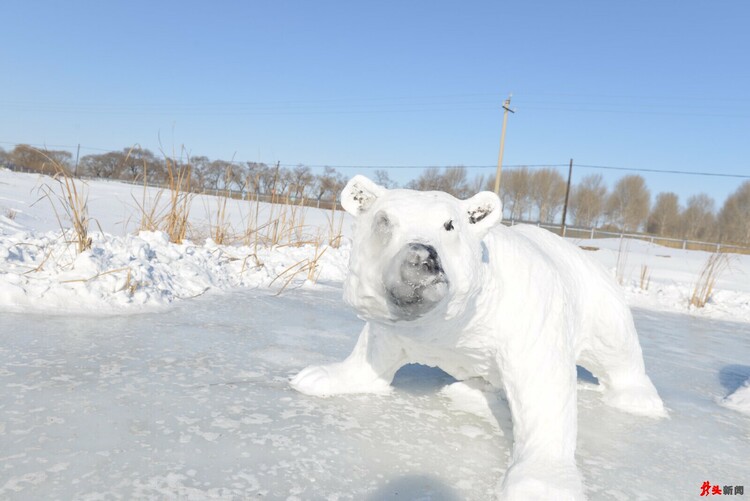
[[684, 244], [592, 233]]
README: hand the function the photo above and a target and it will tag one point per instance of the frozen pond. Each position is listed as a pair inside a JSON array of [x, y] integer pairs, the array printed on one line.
[[193, 403]]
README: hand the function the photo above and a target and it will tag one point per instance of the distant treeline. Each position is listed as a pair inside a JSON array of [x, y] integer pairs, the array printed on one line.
[[139, 165], [528, 194], [539, 195]]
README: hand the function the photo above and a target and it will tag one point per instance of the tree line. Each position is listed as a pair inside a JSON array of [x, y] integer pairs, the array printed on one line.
[[539, 195], [141, 164], [527, 194]]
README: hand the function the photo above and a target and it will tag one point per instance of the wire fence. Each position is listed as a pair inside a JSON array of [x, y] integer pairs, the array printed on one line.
[[334, 204], [594, 233], [319, 203]]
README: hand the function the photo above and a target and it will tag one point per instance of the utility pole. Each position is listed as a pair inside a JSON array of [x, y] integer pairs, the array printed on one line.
[[567, 195], [506, 107], [78, 152]]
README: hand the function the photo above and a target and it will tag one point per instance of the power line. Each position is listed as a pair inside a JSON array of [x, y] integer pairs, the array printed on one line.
[[732, 107], [665, 171]]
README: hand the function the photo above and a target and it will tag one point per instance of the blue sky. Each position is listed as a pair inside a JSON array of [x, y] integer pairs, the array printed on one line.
[[654, 85]]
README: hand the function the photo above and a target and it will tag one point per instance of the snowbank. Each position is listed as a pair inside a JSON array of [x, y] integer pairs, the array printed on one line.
[[42, 272], [739, 400]]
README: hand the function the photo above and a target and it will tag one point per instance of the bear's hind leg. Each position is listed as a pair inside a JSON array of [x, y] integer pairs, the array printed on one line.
[[615, 358]]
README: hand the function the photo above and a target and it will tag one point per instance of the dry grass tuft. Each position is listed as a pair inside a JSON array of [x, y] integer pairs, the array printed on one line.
[[645, 277], [172, 216], [175, 222], [704, 287], [70, 201], [622, 259], [334, 231], [11, 214], [218, 225], [308, 266]]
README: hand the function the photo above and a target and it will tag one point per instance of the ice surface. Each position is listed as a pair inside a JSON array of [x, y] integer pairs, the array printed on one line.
[[194, 403]]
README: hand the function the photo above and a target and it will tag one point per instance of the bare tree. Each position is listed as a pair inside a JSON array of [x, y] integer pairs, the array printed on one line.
[[587, 201], [301, 179], [734, 218], [283, 180], [428, 180], [139, 162], [547, 192], [698, 220], [235, 176], [330, 183], [200, 167], [106, 165], [270, 179], [664, 218], [454, 181], [261, 177], [629, 203], [44, 161], [478, 184], [383, 179], [515, 192], [214, 174], [451, 180]]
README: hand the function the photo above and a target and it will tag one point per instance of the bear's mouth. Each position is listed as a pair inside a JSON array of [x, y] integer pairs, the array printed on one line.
[[410, 294], [409, 301]]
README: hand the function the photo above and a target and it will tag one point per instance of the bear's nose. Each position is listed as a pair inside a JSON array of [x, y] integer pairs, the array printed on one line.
[[423, 258]]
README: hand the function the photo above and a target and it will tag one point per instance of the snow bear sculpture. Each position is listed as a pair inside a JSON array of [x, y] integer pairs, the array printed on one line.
[[440, 283]]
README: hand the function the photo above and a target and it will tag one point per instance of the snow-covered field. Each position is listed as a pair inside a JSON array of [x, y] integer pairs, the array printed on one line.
[[163, 374]]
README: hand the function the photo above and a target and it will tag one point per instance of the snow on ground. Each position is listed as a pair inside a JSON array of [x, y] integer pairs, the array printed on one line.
[[672, 276], [192, 401]]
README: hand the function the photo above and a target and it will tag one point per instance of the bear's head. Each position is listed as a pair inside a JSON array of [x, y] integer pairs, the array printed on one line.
[[415, 254]]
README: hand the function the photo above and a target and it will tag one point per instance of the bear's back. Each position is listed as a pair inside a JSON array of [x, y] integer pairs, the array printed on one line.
[[538, 262]]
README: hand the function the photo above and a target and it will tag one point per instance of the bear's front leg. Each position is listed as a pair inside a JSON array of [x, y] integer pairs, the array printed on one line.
[[369, 369], [541, 392]]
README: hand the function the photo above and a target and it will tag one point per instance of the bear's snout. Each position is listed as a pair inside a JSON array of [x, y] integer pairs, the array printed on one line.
[[422, 260], [415, 281]]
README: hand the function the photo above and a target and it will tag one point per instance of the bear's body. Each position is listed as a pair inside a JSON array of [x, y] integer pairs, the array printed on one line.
[[440, 284]]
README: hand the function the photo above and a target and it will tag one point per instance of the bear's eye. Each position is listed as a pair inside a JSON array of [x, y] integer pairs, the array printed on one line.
[[382, 223], [448, 225]]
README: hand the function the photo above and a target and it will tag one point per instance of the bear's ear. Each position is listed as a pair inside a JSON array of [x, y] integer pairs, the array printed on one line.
[[359, 194], [483, 211]]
